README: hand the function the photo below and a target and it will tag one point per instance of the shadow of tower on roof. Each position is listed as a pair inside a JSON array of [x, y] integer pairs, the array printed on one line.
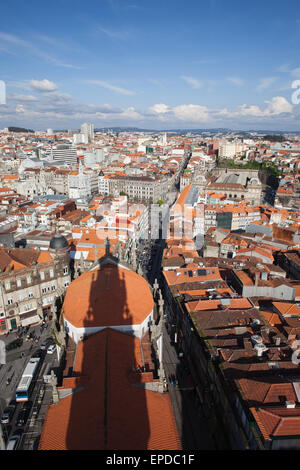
[[107, 411]]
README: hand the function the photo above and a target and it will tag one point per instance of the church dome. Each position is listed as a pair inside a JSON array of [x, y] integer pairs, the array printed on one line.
[[108, 296], [58, 242]]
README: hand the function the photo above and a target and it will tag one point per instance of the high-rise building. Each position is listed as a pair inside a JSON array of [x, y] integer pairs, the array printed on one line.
[[88, 130], [64, 153]]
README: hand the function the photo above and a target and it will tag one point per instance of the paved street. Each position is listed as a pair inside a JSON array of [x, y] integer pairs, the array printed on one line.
[[191, 424], [13, 370]]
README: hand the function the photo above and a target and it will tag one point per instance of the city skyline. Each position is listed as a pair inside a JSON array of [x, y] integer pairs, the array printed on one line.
[[151, 65]]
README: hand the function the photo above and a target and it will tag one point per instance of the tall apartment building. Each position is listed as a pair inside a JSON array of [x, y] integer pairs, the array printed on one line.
[[28, 291], [103, 183], [230, 149], [88, 131], [64, 153], [142, 188], [82, 184]]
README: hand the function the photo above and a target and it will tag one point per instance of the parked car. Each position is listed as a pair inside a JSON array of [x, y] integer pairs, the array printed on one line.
[[46, 343], [6, 415], [14, 441], [51, 349], [8, 412], [14, 344]]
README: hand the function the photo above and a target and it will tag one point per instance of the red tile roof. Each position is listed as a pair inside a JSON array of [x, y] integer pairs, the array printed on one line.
[[108, 296], [109, 412]]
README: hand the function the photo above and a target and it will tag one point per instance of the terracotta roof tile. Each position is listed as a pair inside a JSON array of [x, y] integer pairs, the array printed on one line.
[[109, 412]]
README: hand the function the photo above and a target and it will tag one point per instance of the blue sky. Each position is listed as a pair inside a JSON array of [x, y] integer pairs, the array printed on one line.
[[152, 64]]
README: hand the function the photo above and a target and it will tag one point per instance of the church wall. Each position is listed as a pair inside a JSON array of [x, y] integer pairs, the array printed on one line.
[[135, 330]]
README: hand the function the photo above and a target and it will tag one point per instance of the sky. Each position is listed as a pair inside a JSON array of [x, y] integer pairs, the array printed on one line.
[[150, 64]]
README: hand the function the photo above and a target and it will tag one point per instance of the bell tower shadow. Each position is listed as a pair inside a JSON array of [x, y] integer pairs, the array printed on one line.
[[108, 405]]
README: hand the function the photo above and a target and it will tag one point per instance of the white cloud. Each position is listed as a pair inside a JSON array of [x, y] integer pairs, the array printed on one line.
[[283, 68], [276, 106], [18, 43], [159, 109], [52, 106], [265, 83], [19, 97], [193, 82], [114, 34], [20, 108], [279, 105], [191, 113], [111, 87], [43, 85], [296, 72], [236, 81]]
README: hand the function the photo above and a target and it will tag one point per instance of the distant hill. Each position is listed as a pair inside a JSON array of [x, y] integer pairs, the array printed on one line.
[[244, 133], [19, 129], [160, 131]]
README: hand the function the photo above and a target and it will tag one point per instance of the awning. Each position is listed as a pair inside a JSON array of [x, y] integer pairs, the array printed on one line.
[[29, 318]]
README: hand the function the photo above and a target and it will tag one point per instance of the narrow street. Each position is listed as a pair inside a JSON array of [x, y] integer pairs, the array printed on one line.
[[191, 424], [41, 393]]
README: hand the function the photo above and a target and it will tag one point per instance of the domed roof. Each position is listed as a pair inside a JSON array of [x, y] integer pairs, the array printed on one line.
[[58, 241], [108, 296]]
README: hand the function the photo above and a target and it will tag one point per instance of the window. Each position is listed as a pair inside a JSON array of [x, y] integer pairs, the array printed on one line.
[[28, 279], [9, 301], [66, 270], [44, 290], [52, 288], [42, 275], [7, 285], [19, 282], [51, 273], [30, 295]]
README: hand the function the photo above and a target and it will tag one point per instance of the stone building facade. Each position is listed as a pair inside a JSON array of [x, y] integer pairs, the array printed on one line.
[[31, 282]]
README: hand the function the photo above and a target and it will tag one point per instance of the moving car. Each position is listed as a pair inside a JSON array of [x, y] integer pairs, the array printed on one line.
[[46, 343], [22, 417]]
